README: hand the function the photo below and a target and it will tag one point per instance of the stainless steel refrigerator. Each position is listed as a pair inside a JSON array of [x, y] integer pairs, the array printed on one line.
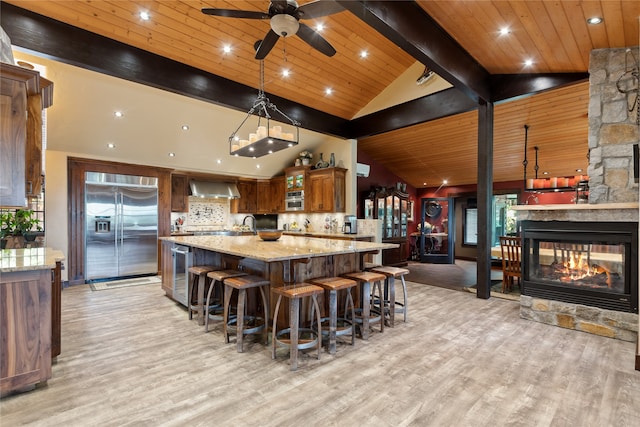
[[121, 230]]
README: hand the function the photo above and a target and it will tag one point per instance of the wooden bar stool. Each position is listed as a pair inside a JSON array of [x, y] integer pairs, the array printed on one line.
[[197, 283], [388, 300], [255, 324], [365, 314], [214, 308], [295, 294], [338, 326]]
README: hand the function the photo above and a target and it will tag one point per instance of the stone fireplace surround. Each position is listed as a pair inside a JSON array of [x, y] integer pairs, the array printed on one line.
[[613, 324]]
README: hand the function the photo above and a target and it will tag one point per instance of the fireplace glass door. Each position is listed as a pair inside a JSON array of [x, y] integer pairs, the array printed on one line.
[[598, 266]]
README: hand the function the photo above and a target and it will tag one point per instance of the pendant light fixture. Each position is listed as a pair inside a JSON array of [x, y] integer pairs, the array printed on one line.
[[267, 136]]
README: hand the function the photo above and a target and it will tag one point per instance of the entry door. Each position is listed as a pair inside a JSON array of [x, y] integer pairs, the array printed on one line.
[[437, 221]]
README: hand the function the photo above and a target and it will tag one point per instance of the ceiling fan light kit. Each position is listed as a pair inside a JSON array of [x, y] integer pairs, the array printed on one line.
[[284, 18], [284, 25]]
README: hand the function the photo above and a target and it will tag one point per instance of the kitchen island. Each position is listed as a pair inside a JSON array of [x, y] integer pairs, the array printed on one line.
[[29, 316], [289, 259]]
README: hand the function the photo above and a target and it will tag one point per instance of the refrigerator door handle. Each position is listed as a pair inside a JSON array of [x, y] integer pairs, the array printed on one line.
[[117, 223]]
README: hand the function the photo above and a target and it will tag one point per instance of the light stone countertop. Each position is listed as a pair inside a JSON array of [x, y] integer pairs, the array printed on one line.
[[285, 248], [329, 235], [576, 207], [12, 260]]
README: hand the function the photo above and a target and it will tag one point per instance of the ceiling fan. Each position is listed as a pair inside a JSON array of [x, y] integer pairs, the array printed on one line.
[[285, 16]]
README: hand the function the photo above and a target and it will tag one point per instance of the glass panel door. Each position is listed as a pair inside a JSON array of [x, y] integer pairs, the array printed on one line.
[[437, 224]]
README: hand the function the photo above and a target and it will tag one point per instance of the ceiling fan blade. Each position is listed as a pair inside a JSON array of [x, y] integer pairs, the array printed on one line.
[[230, 13], [278, 6], [267, 44], [318, 9], [315, 40]]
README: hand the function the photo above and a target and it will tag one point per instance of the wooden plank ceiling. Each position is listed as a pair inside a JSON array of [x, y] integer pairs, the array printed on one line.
[[553, 34]]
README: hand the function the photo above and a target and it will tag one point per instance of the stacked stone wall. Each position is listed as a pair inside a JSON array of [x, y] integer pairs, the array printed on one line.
[[593, 320], [613, 128]]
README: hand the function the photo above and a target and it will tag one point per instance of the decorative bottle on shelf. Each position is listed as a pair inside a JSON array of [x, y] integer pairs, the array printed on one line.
[[332, 161], [321, 163]]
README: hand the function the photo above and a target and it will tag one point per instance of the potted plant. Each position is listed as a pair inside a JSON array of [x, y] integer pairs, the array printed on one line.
[[306, 157], [7, 227], [25, 222]]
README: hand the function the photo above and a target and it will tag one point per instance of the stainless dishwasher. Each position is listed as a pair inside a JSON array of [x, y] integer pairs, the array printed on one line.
[[182, 260]]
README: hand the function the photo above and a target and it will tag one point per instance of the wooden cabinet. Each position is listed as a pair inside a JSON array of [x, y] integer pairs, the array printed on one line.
[[166, 267], [25, 329], [277, 194], [296, 178], [390, 205], [56, 309], [270, 195], [23, 95], [248, 201], [326, 190], [179, 193]]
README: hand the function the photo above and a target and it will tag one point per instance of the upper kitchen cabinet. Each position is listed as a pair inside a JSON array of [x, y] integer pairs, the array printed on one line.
[[23, 96], [296, 178], [179, 193], [248, 201], [277, 194], [270, 195], [326, 190]]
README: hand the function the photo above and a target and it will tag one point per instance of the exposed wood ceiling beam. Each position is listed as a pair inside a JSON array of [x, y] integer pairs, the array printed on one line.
[[507, 86], [411, 29], [438, 105]]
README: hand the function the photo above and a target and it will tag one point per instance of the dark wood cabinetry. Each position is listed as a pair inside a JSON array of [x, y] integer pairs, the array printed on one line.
[[391, 206], [26, 329], [56, 309], [270, 195], [23, 94], [248, 201], [179, 193], [326, 190]]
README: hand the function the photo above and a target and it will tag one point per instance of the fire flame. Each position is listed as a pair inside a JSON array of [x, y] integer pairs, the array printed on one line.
[[577, 268]]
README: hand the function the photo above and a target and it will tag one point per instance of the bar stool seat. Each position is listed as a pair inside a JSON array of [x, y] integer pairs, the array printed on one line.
[[338, 326], [296, 341], [215, 307], [366, 314], [391, 306], [197, 283], [244, 324]]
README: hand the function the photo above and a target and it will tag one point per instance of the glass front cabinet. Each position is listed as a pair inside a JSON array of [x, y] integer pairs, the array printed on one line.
[[390, 205]]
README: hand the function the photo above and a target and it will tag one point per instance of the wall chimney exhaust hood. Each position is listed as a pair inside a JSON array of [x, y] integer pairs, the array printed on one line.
[[214, 189]]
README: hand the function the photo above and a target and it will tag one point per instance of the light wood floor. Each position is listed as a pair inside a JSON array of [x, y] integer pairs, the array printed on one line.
[[130, 357]]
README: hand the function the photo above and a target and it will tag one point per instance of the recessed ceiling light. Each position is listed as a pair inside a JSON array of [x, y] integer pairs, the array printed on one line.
[[111, 145], [328, 91], [504, 31], [144, 16], [226, 48], [118, 114], [172, 154], [364, 54], [444, 181], [579, 170], [528, 63], [319, 27], [424, 183], [257, 166], [545, 173], [595, 20], [185, 127], [285, 73], [218, 161]]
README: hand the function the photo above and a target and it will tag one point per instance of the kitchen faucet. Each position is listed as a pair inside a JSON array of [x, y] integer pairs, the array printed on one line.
[[255, 231]]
